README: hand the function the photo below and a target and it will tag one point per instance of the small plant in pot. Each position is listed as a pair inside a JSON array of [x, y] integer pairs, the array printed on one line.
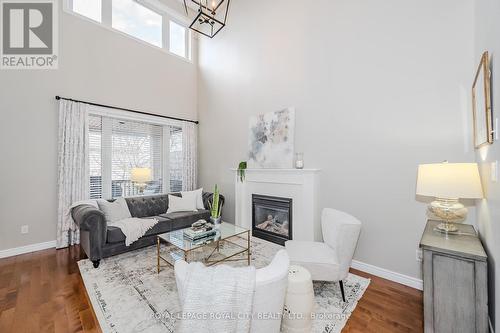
[[242, 166], [215, 208]]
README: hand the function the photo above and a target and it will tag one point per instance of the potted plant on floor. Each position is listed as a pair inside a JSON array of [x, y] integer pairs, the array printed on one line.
[[215, 208]]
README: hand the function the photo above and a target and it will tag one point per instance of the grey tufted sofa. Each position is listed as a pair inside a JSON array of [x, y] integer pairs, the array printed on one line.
[[99, 240]]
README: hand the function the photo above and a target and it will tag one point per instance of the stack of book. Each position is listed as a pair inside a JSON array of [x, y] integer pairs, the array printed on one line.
[[198, 234]]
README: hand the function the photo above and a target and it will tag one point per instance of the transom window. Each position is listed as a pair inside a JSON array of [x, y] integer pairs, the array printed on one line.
[[90, 9], [177, 39], [136, 20], [139, 20]]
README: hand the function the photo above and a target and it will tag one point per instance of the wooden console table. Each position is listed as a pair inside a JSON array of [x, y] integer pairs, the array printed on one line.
[[455, 281]]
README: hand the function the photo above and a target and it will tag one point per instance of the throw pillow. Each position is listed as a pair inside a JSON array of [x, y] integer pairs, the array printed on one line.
[[199, 197], [114, 211], [184, 204]]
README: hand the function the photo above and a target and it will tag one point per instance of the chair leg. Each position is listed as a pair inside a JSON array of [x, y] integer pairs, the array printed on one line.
[[341, 283]]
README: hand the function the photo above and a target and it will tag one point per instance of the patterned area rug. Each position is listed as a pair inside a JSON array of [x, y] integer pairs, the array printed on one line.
[[128, 295]]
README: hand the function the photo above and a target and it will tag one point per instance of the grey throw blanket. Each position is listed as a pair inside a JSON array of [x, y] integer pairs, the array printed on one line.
[[217, 299]]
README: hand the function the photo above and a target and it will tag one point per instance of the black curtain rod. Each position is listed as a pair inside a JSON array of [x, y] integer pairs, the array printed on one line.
[[129, 110]]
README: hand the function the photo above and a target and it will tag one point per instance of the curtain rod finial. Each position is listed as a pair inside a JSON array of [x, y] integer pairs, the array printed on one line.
[[58, 97]]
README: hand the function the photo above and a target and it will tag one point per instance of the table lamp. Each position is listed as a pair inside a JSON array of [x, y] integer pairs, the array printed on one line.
[[448, 182], [140, 176]]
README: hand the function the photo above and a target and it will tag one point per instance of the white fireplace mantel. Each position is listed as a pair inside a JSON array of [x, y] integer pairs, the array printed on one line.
[[301, 185]]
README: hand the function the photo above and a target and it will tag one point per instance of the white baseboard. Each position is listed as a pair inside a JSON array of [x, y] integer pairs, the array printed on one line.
[[27, 249], [389, 275]]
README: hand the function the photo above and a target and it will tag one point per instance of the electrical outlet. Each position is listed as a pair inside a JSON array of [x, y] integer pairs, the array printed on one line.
[[25, 229], [419, 255]]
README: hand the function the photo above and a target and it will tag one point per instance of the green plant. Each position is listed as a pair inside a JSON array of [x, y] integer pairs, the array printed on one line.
[[215, 207], [241, 170]]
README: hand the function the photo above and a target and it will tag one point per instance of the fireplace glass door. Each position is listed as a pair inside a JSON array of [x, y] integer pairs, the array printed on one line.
[[272, 218]]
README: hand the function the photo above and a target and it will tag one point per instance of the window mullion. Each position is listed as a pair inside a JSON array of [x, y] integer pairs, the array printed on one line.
[[187, 42], [165, 31], [106, 157], [166, 159], [107, 12]]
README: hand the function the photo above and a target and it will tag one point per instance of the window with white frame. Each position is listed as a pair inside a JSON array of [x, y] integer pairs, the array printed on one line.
[[139, 20], [178, 39], [90, 9], [116, 147]]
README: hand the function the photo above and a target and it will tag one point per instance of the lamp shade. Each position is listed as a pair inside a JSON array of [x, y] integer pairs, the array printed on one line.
[[449, 180], [140, 175]]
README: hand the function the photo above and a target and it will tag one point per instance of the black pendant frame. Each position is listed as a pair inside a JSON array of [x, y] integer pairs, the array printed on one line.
[[207, 16]]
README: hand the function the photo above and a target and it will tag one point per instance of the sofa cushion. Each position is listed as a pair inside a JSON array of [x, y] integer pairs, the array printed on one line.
[[145, 206], [115, 234], [185, 219]]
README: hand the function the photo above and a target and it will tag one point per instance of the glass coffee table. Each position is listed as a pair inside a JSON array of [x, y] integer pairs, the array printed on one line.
[[229, 242]]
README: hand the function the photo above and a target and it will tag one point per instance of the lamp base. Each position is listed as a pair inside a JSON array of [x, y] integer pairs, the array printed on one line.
[[140, 187], [447, 210]]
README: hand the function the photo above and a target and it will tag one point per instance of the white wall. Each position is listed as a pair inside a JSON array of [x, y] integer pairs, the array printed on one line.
[[379, 87], [487, 38], [98, 65]]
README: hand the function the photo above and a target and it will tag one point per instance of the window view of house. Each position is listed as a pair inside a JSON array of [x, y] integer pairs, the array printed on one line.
[[117, 147]]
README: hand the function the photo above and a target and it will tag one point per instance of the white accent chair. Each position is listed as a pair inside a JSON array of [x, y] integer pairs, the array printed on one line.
[[269, 297], [328, 261]]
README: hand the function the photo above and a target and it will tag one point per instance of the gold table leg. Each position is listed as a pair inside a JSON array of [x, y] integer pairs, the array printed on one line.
[[248, 249], [158, 254]]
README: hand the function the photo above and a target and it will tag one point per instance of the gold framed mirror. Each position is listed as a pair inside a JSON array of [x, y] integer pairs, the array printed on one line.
[[481, 104]]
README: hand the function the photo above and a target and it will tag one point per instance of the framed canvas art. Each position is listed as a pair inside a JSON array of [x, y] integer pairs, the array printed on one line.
[[271, 140], [481, 104]]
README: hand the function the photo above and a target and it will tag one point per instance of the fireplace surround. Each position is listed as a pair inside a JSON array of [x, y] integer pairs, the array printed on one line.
[[272, 218], [300, 185]]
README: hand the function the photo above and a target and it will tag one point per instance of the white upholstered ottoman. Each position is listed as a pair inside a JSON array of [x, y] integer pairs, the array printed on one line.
[[299, 301]]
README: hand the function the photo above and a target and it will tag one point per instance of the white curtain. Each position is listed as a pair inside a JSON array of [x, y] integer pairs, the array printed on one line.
[[73, 177], [189, 152]]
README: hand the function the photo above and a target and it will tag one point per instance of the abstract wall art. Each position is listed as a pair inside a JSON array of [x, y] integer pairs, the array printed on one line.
[[271, 140]]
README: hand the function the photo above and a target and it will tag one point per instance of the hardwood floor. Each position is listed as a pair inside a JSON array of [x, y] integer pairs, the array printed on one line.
[[43, 292], [387, 306]]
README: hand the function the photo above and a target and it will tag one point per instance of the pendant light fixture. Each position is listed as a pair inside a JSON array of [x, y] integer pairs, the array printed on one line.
[[211, 15]]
